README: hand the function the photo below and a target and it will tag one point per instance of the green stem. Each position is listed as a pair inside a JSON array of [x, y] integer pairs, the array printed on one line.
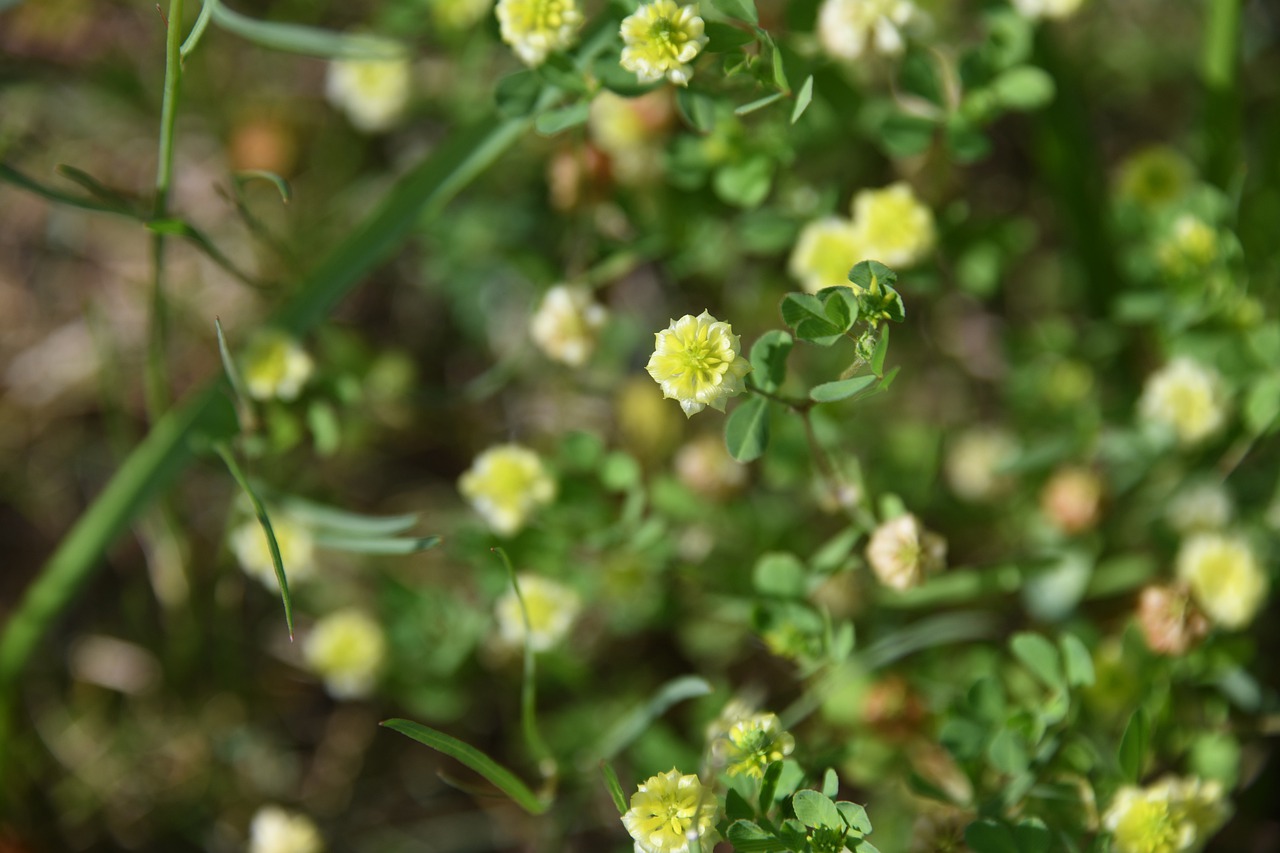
[[1221, 128], [529, 691]]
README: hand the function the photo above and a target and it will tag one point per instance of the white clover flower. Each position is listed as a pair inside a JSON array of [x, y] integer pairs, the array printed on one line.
[[973, 463], [660, 40], [1171, 816], [1201, 506], [506, 484], [372, 92], [849, 28], [892, 226], [346, 649], [274, 365], [825, 251], [697, 361], [1187, 397], [1225, 578], [536, 28], [567, 324], [665, 810], [552, 609], [275, 830], [1036, 9], [901, 552], [297, 550]]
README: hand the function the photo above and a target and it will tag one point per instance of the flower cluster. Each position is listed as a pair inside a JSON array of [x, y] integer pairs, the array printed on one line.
[[849, 28], [274, 365], [665, 810], [567, 324], [506, 484], [752, 743], [551, 607], [697, 361], [252, 550], [535, 28], [1171, 816], [346, 649], [1187, 398], [1225, 578], [660, 39]]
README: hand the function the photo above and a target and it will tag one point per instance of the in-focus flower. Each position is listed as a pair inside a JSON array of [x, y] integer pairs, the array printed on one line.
[[506, 484], [665, 810], [1171, 816], [849, 28], [825, 251], [753, 743], [552, 609], [1072, 499], [372, 92], [901, 552], [567, 324], [706, 467], [297, 550], [274, 365], [535, 28], [892, 226], [1186, 397], [1035, 9], [275, 830], [973, 466], [697, 362], [660, 40], [1170, 621], [1224, 576], [346, 649]]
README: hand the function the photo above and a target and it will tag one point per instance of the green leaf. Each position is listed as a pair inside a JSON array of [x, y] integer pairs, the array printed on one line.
[[615, 788], [746, 431], [842, 389], [881, 350], [988, 836], [830, 783], [1077, 661], [743, 10], [326, 430], [377, 545], [1023, 88], [779, 574], [722, 37], [906, 136], [244, 407], [769, 359], [1133, 747], [779, 67], [813, 808], [840, 306], [966, 141], [746, 837], [560, 119], [759, 104], [769, 786], [18, 179], [631, 726], [745, 183], [502, 778], [698, 109], [560, 71], [325, 518], [1262, 405], [855, 816], [803, 98], [869, 274], [516, 94], [1040, 657], [806, 315], [249, 175], [1007, 752], [1032, 836], [309, 41], [736, 806]]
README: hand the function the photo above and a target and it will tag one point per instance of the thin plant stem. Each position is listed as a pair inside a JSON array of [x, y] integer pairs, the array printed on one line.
[[1220, 71], [528, 694]]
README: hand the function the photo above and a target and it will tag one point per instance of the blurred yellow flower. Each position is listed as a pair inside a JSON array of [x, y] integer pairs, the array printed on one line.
[[974, 461], [665, 810], [275, 365], [1171, 816], [297, 550], [849, 28], [535, 28], [630, 131], [901, 552], [1154, 177], [552, 609], [1186, 397], [697, 362], [892, 226], [705, 466], [752, 744], [1047, 8], [346, 649], [372, 92], [567, 324], [825, 251], [661, 39], [275, 830], [1190, 248], [1225, 578], [459, 14], [506, 484]]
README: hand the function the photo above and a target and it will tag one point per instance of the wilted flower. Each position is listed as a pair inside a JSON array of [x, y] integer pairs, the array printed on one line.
[[661, 39], [274, 365], [892, 226], [697, 362], [901, 552], [1170, 622], [825, 251], [567, 323], [372, 92], [705, 466], [753, 743], [665, 810], [1225, 578], [297, 550], [506, 484], [848, 28], [552, 609], [346, 649], [535, 28], [973, 463], [1187, 397], [1171, 816], [1205, 505], [1072, 499], [274, 830], [1047, 8]]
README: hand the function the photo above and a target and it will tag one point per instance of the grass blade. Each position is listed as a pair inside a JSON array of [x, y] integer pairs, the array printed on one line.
[[384, 545], [308, 41], [633, 724], [614, 786], [528, 693], [338, 521]]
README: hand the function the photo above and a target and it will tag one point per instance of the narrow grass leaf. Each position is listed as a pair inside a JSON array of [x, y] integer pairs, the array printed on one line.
[[528, 692], [803, 98], [308, 41], [282, 186], [631, 726], [615, 787], [377, 545], [1133, 747], [331, 519]]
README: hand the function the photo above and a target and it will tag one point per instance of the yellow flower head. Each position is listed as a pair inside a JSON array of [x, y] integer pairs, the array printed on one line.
[[506, 484], [1187, 397], [753, 743], [696, 360], [274, 830], [665, 810], [346, 649], [848, 28], [567, 323], [535, 28], [1170, 816], [1190, 248], [660, 40], [372, 92], [892, 226], [1225, 578], [1154, 176], [552, 609], [275, 365], [824, 253], [459, 14], [297, 550]]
